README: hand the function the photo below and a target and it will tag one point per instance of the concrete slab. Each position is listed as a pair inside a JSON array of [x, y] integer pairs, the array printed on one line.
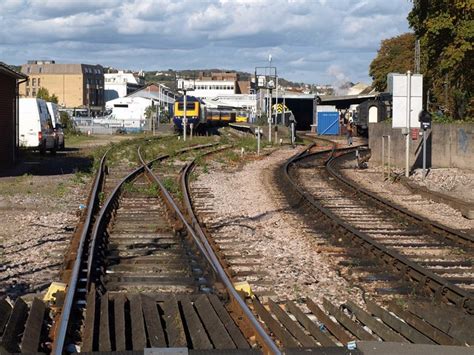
[[389, 348]]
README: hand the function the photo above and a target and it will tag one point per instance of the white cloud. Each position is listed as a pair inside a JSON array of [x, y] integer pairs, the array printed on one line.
[[305, 37]]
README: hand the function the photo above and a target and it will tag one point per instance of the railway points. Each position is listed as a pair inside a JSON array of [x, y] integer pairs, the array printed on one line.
[[156, 270]]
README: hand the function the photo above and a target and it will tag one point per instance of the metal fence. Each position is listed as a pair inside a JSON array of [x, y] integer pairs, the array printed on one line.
[[105, 125]]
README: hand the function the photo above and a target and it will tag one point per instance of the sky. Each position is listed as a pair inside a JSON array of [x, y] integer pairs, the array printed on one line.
[[311, 41]]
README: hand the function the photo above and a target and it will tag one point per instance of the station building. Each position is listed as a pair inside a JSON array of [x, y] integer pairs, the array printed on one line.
[[9, 81], [121, 84], [214, 84], [75, 85]]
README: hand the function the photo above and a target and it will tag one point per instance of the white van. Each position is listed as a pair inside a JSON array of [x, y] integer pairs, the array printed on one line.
[[36, 126], [56, 119]]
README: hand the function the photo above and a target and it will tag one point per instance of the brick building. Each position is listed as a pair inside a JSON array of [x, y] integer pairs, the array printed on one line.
[[9, 80], [75, 85]]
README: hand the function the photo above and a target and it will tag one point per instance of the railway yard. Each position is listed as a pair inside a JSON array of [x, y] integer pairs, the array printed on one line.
[[206, 246]]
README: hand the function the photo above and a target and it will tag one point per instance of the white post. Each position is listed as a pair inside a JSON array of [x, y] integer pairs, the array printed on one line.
[[258, 140], [389, 150], [407, 139], [424, 153], [293, 133], [152, 118], [383, 157], [191, 131], [284, 109], [159, 108], [185, 119], [276, 100], [270, 118]]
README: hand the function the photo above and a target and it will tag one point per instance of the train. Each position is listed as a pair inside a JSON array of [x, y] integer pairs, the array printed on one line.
[[202, 116]]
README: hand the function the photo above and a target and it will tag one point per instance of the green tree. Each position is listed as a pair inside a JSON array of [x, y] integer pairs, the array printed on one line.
[[396, 55], [446, 31], [150, 112], [43, 93], [67, 123]]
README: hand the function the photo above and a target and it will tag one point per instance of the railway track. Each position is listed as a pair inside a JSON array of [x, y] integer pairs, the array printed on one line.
[[126, 291], [147, 269], [421, 253], [150, 277], [307, 324]]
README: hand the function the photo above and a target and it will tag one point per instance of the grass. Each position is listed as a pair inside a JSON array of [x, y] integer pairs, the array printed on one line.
[[80, 177], [41, 186], [78, 139], [150, 190], [172, 186]]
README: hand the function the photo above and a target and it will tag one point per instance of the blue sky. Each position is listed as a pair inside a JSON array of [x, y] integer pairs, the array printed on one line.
[[315, 41]]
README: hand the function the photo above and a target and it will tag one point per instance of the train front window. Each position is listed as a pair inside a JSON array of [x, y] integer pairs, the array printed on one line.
[[189, 106]]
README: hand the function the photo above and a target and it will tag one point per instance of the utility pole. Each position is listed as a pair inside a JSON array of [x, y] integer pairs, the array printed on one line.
[[269, 112], [185, 119], [270, 117], [270, 86], [407, 136], [276, 100]]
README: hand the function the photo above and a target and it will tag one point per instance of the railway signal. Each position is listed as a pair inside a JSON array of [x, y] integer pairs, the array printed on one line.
[[425, 122]]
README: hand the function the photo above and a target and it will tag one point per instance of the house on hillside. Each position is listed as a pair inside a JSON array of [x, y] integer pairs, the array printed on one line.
[[9, 81]]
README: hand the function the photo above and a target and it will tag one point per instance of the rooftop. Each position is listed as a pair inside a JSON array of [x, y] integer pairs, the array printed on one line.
[[8, 70]]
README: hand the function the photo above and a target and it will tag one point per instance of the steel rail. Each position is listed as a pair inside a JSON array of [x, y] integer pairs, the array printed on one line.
[[60, 338], [113, 198], [451, 233], [194, 228], [426, 278]]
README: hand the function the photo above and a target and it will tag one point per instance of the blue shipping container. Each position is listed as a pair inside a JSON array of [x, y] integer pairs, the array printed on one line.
[[328, 123]]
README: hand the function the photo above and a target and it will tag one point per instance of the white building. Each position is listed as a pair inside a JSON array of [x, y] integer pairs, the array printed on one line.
[[206, 89], [239, 101], [129, 111], [121, 84]]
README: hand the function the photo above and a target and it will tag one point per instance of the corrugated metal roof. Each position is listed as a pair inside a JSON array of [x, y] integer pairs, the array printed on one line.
[[5, 68]]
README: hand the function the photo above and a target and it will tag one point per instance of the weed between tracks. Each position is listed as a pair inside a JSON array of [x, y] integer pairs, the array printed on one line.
[[173, 187], [150, 190]]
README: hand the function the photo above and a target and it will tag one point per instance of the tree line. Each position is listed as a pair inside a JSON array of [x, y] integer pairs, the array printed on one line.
[[445, 30]]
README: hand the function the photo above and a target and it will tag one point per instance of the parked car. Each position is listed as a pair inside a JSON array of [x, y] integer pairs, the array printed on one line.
[[56, 119], [35, 126]]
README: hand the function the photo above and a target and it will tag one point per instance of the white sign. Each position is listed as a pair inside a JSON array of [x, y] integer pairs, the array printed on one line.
[[397, 86], [185, 85]]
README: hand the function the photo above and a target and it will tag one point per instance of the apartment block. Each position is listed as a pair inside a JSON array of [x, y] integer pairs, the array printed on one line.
[[75, 85]]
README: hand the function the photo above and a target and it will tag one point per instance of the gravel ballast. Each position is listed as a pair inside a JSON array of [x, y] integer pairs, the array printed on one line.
[[252, 217], [37, 226], [372, 180]]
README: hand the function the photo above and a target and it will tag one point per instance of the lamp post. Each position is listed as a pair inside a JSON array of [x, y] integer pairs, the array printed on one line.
[[407, 129], [88, 101], [185, 119]]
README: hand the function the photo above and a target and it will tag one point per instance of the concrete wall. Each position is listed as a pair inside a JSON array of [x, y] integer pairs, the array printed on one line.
[[448, 145]]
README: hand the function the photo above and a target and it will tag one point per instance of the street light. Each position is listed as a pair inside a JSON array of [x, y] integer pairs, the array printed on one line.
[[184, 89]]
